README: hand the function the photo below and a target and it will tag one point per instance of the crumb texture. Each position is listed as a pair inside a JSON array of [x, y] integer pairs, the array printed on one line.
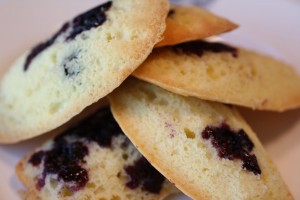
[[186, 134], [93, 160], [84, 61], [223, 73]]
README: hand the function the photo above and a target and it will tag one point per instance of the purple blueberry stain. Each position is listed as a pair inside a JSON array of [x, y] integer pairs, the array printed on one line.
[[232, 146], [66, 157], [171, 128], [90, 19], [71, 65], [143, 174], [42, 46], [99, 128], [199, 47], [64, 160], [84, 22], [37, 158]]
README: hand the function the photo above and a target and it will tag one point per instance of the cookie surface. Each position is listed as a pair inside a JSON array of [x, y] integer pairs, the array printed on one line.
[[93, 160], [207, 149], [219, 72], [186, 23], [82, 62]]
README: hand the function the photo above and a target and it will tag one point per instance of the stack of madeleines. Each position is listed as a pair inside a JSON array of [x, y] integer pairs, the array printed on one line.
[[169, 120]]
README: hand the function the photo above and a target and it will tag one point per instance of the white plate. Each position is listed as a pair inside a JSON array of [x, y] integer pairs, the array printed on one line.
[[269, 26]]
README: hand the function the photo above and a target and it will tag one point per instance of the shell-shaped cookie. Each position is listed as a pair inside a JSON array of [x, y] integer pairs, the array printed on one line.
[[205, 148], [82, 62], [220, 72]]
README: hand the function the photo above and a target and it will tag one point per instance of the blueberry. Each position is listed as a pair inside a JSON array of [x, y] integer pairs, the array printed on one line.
[[84, 22], [231, 145], [66, 156], [199, 47], [143, 174]]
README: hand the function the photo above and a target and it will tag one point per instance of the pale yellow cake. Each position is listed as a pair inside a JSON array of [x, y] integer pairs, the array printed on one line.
[[92, 161], [81, 63], [223, 73], [205, 148]]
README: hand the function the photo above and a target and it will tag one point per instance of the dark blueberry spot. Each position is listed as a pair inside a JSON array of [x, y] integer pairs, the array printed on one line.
[[88, 20], [66, 156], [142, 174], [250, 164], [37, 158], [71, 65], [99, 128], [245, 141], [199, 47], [232, 145], [75, 174], [65, 160], [42, 46], [41, 181], [171, 13], [84, 22]]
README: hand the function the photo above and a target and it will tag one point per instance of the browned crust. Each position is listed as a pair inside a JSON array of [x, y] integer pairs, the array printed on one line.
[[30, 193], [128, 119], [252, 80], [153, 22], [193, 23]]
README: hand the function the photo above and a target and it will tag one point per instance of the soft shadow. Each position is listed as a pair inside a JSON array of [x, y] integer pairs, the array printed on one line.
[[18, 187], [270, 126], [20, 149]]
